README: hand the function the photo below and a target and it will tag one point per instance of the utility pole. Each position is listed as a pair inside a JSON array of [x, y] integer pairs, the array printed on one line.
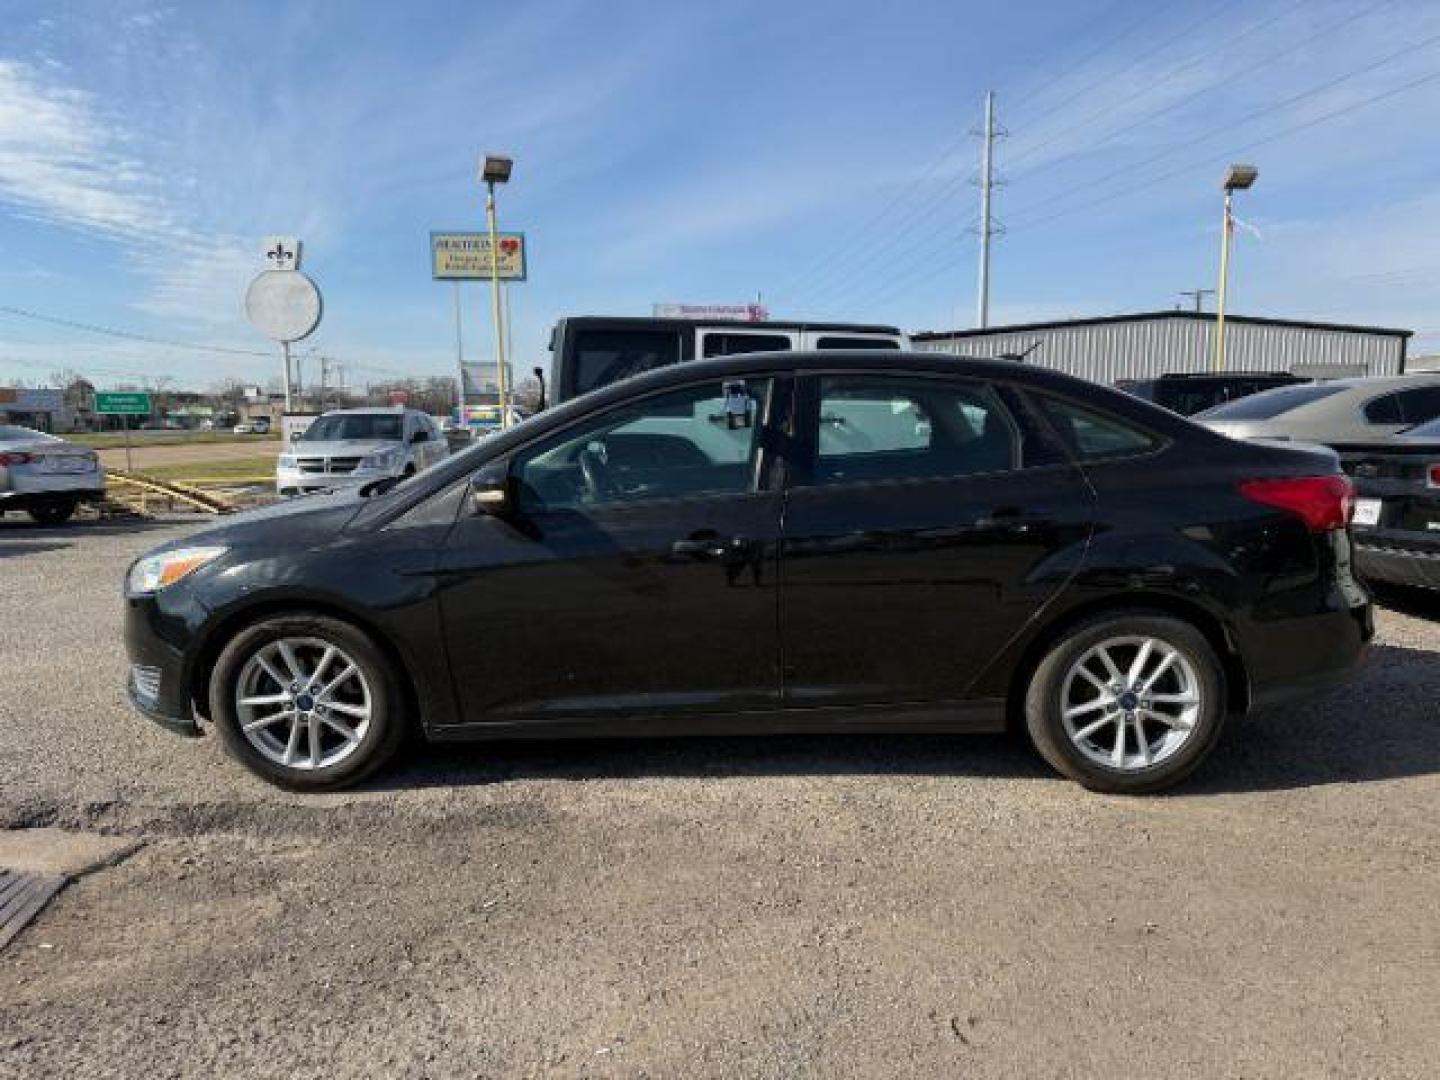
[[987, 224], [324, 378], [1199, 295]]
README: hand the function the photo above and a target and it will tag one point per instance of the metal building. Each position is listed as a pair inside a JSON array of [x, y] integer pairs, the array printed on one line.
[[1147, 344]]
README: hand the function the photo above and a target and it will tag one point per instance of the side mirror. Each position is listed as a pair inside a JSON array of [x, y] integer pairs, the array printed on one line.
[[490, 489], [421, 435]]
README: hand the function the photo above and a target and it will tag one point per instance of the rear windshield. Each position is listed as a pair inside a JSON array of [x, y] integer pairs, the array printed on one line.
[[355, 426], [1270, 403]]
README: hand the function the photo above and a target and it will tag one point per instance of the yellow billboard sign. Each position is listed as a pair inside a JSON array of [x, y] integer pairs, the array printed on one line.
[[462, 256]]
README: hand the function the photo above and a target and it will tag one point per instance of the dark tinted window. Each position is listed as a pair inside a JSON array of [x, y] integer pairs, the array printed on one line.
[[697, 441], [735, 344], [601, 357], [1417, 405], [874, 428], [1094, 435], [355, 426], [855, 343], [1272, 403]]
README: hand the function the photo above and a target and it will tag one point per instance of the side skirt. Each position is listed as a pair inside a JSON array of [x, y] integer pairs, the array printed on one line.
[[957, 717]]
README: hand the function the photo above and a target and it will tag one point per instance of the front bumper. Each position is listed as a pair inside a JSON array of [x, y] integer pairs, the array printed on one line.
[[158, 681], [298, 482]]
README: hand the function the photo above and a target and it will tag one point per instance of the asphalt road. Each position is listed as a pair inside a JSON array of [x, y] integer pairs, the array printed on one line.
[[791, 907]]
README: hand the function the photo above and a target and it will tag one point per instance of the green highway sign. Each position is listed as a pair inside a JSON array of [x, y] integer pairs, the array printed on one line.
[[127, 404]]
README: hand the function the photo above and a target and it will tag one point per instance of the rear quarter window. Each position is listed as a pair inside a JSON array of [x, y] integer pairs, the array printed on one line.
[[1094, 436]]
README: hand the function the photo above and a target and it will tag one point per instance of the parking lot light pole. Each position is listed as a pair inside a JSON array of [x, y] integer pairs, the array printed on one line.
[[1237, 178], [496, 170]]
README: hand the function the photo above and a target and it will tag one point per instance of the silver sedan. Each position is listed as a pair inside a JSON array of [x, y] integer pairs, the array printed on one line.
[[45, 476]]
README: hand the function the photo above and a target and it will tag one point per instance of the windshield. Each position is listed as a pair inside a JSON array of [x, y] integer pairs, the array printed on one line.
[[1269, 404], [16, 433], [368, 426]]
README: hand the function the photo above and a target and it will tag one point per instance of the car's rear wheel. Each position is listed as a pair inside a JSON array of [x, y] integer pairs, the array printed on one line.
[[53, 513], [307, 701], [1127, 703]]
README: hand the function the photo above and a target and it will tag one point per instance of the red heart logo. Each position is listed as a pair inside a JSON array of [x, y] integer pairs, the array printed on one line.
[[509, 245]]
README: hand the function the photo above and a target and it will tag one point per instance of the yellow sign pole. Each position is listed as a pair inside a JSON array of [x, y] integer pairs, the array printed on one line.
[[502, 379], [1225, 230]]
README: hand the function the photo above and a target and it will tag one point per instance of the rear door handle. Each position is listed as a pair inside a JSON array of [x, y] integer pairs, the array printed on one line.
[[1013, 519]]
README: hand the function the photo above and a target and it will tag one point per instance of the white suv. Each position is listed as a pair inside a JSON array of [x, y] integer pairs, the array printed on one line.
[[356, 446]]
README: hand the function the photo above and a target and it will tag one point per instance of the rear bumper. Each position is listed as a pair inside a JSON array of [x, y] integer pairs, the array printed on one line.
[[1397, 564], [24, 500]]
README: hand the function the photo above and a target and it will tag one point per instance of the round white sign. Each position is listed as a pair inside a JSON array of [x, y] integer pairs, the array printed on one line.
[[284, 305]]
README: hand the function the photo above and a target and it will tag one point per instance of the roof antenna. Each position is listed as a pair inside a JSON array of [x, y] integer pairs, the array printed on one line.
[[1019, 358]]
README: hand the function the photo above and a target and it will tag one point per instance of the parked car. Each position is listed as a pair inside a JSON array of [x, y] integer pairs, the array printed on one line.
[[256, 425], [591, 351], [764, 543], [46, 476], [1188, 394], [1339, 411], [357, 446], [1397, 506]]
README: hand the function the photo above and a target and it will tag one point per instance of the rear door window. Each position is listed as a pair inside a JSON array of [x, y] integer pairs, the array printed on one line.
[[1420, 404], [879, 428], [605, 356]]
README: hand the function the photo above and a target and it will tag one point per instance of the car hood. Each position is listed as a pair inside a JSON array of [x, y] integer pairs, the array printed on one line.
[[293, 523], [42, 446], [342, 447]]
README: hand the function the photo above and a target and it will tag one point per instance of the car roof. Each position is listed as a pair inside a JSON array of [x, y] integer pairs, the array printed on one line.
[[371, 410]]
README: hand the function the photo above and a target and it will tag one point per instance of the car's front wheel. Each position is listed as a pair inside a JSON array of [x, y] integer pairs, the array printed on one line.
[[1127, 703], [53, 513], [307, 701]]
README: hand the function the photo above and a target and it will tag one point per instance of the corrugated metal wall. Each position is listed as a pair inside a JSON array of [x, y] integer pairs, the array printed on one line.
[[1105, 352]]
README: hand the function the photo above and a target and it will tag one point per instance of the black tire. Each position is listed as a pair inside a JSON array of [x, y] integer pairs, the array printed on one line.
[[388, 723], [53, 513], [1043, 703]]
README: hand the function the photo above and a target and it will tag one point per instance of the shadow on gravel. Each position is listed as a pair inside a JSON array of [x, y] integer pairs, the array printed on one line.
[[13, 549], [18, 527], [1417, 603], [977, 756], [1382, 726]]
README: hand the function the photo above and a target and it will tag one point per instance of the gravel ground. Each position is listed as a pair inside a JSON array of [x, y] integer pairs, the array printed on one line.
[[786, 907]]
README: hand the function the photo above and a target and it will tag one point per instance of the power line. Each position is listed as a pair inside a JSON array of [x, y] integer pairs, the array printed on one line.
[[1224, 129], [1111, 76], [810, 279], [107, 331], [1165, 77], [1282, 133]]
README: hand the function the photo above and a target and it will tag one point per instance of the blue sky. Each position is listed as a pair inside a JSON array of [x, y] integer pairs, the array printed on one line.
[[816, 153]]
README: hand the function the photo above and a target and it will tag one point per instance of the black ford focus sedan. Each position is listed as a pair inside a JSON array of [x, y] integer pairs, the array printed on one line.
[[766, 543]]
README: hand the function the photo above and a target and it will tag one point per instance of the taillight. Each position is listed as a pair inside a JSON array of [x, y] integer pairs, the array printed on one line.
[[1322, 502], [14, 458], [1432, 476]]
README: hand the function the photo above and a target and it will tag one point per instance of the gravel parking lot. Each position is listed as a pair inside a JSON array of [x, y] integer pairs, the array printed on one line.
[[799, 906]]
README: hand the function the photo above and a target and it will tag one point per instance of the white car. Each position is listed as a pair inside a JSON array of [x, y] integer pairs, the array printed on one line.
[[45, 476], [356, 446]]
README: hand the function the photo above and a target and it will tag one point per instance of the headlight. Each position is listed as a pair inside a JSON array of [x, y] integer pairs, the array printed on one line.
[[384, 459], [155, 572]]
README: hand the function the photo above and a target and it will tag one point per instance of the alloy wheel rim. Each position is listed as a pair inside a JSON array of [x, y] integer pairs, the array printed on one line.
[[303, 703], [1130, 703]]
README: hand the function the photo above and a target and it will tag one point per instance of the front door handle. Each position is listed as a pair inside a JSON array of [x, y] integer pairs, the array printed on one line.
[[709, 545]]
